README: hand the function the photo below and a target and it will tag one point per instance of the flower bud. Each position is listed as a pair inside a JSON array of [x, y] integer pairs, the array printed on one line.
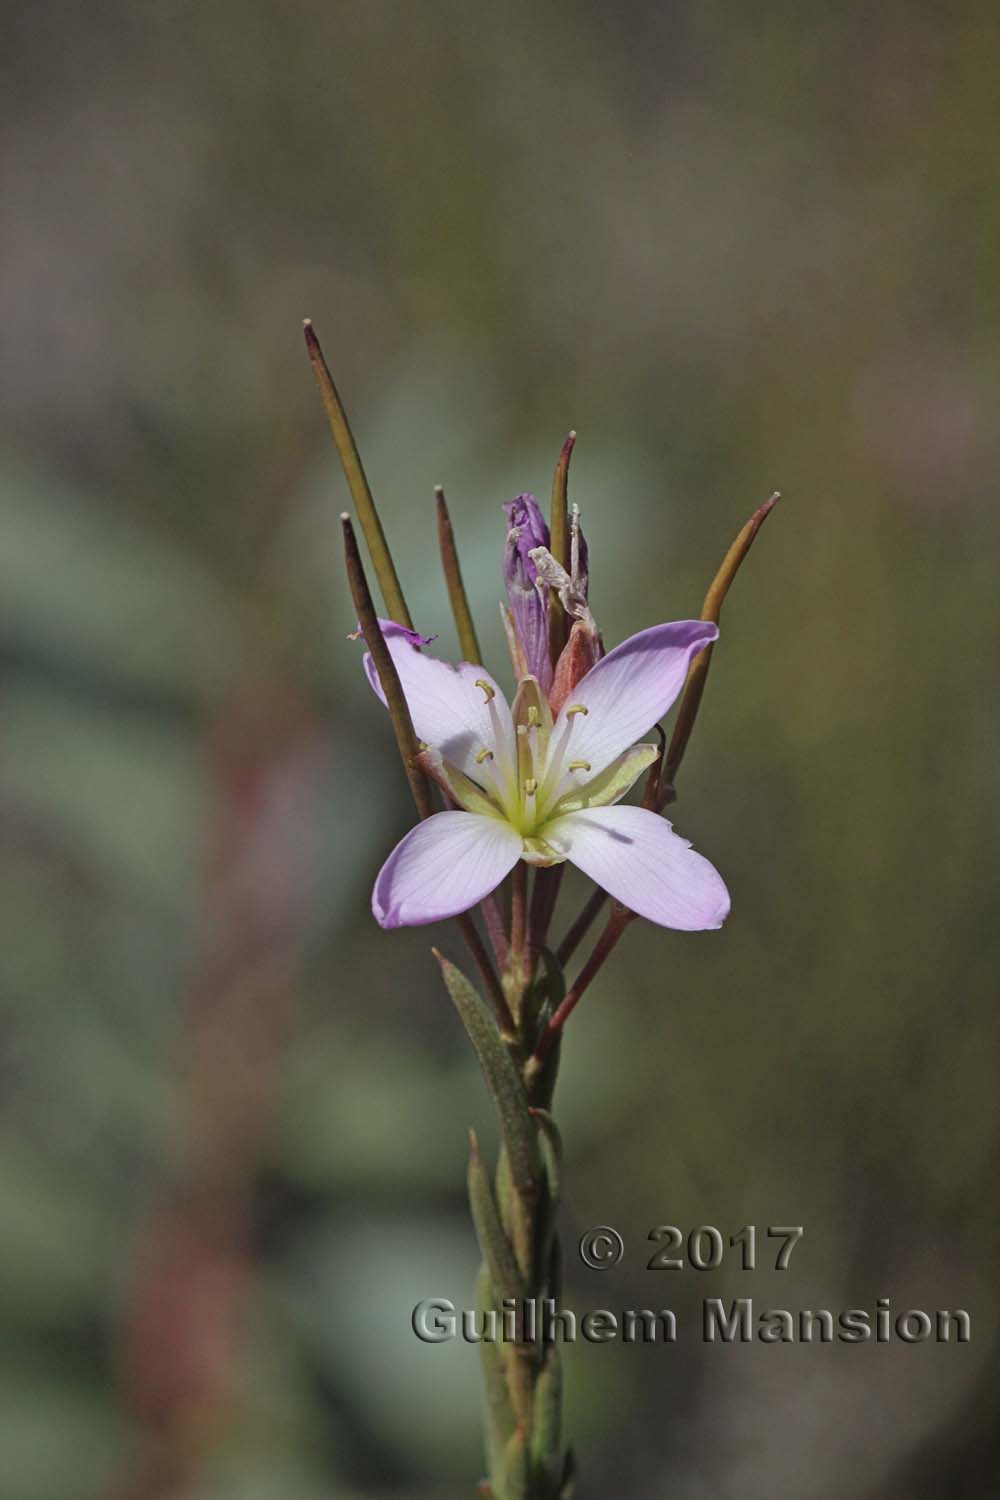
[[527, 593]]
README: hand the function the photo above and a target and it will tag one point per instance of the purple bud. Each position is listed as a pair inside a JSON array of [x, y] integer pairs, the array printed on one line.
[[528, 597], [525, 515]]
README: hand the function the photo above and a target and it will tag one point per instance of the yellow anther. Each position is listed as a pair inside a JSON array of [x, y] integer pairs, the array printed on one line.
[[482, 755], [534, 718], [579, 765], [530, 787], [487, 688], [578, 708]]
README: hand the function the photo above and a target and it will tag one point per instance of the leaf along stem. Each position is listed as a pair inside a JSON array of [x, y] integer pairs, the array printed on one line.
[[364, 504], [460, 610], [698, 670], [559, 544]]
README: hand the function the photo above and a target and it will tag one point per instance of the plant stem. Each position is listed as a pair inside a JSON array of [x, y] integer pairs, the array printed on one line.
[[494, 989], [582, 925], [497, 932], [544, 895], [518, 929], [617, 922]]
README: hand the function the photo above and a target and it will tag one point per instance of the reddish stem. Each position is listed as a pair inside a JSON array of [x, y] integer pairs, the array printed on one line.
[[488, 974], [581, 927], [544, 895], [519, 913], [606, 943], [496, 931]]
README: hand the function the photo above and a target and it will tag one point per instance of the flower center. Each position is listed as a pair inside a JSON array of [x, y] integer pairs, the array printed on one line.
[[531, 793]]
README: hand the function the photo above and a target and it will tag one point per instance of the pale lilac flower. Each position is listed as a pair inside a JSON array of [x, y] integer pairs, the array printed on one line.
[[544, 790]]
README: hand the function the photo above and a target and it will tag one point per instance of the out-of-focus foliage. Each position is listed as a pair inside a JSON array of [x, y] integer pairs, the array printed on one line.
[[736, 249]]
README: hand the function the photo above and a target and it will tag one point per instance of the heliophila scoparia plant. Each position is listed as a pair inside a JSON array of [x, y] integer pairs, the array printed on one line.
[[507, 791]]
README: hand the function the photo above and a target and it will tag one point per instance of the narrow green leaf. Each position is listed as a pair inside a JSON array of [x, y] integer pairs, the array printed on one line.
[[698, 670], [546, 1427], [364, 504], [559, 544], [496, 1248], [453, 578], [503, 1080], [516, 1468], [551, 1141], [517, 1218], [500, 1420], [541, 1073], [548, 1210]]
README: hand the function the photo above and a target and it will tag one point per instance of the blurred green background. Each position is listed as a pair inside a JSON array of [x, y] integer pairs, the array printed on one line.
[[738, 249]]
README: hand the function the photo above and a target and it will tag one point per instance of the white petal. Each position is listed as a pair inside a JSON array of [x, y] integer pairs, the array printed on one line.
[[448, 709], [443, 866], [636, 857], [628, 691]]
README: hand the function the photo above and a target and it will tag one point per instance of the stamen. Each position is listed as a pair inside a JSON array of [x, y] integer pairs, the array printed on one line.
[[487, 688], [578, 708], [534, 718], [482, 755], [579, 765], [530, 786]]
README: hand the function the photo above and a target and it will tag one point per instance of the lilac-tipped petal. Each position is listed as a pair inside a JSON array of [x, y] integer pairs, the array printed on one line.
[[442, 867], [630, 690], [392, 631], [637, 858], [449, 706], [528, 600]]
